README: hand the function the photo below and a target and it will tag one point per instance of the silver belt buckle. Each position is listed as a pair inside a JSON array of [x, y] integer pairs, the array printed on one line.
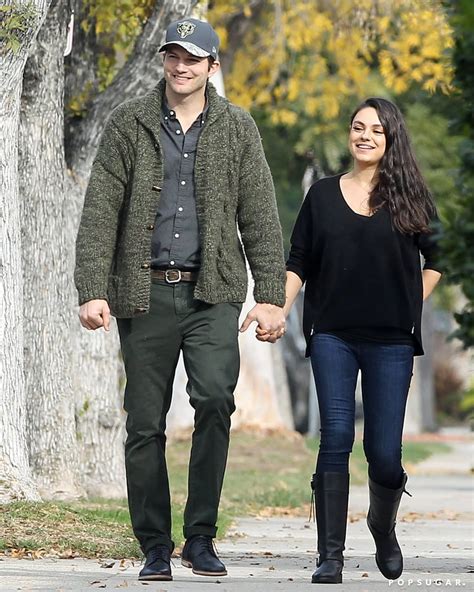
[[169, 279]]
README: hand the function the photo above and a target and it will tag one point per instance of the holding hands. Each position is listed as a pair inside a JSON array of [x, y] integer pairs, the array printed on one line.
[[271, 322]]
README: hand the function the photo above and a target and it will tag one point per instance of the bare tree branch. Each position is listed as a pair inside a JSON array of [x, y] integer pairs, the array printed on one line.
[[237, 27], [139, 75]]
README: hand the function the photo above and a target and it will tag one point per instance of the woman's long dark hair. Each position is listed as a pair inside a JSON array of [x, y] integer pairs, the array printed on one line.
[[399, 184]]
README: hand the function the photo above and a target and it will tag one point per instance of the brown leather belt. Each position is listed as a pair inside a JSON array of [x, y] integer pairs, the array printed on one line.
[[173, 276]]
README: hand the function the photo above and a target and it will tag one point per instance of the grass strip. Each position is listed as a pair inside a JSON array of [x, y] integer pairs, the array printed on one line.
[[267, 474]]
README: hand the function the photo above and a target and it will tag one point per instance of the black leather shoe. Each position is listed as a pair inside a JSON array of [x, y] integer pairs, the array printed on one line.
[[199, 554], [157, 565]]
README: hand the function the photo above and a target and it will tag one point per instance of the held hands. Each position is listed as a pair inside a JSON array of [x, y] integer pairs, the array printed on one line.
[[94, 314], [271, 322]]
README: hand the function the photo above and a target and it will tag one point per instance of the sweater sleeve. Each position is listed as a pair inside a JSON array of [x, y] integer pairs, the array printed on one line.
[[97, 233], [299, 259], [258, 220], [429, 246]]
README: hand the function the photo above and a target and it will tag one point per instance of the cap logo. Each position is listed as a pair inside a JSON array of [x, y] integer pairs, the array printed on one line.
[[185, 28]]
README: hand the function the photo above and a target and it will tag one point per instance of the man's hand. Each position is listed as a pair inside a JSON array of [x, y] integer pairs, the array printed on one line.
[[267, 337], [94, 314], [270, 319]]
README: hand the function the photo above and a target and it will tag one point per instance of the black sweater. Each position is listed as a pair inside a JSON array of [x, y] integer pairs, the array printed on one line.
[[360, 272]]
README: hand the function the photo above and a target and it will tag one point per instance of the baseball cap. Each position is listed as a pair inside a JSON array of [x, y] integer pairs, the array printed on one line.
[[197, 37]]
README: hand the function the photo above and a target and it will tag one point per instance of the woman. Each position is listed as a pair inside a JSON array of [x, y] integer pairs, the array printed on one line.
[[356, 244]]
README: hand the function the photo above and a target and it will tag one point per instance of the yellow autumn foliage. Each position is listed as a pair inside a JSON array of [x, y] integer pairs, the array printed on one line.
[[308, 57], [305, 57], [116, 26]]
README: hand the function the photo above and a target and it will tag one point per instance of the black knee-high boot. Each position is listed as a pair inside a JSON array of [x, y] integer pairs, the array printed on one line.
[[331, 492], [381, 520]]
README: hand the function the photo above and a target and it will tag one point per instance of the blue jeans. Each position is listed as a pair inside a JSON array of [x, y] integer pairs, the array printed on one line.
[[386, 372]]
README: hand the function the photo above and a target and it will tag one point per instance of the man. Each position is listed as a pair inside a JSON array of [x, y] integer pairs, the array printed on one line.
[[176, 173]]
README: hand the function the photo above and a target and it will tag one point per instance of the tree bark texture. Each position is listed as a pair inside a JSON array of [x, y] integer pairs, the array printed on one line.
[[98, 379], [47, 264], [138, 76], [100, 419], [15, 475], [74, 379], [261, 396], [237, 28]]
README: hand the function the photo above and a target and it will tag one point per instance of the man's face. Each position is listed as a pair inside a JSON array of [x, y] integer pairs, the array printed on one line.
[[185, 73]]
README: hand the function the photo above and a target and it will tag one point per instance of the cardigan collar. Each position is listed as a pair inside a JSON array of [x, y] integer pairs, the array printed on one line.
[[149, 111]]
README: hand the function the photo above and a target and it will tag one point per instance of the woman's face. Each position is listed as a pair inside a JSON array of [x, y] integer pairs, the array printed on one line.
[[367, 137]]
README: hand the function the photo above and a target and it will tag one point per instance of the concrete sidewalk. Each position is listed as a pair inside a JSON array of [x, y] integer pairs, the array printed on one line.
[[267, 554]]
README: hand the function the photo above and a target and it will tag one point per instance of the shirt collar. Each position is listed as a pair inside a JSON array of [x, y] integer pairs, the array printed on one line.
[[168, 114]]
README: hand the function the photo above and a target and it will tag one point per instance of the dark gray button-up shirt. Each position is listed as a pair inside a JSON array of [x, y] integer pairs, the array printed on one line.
[[175, 241]]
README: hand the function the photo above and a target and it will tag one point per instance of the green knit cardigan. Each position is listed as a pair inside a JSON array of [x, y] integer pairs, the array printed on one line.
[[234, 191]]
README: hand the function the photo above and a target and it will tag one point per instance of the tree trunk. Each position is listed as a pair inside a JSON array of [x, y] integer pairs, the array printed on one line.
[[100, 418], [15, 475], [70, 366], [99, 399], [99, 375], [47, 264], [138, 76], [237, 27], [425, 367], [420, 412], [262, 396]]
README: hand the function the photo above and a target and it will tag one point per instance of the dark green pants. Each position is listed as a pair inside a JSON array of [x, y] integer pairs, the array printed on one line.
[[208, 337]]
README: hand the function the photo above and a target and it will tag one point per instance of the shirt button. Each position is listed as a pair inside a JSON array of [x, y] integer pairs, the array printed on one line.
[[180, 209], [171, 262], [185, 155], [178, 132], [150, 226], [183, 182], [172, 113], [176, 235]]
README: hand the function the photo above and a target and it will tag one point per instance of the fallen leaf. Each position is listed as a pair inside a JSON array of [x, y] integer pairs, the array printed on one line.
[[364, 575]]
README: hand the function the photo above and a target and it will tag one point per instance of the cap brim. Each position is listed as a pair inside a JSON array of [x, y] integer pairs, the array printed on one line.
[[189, 47]]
